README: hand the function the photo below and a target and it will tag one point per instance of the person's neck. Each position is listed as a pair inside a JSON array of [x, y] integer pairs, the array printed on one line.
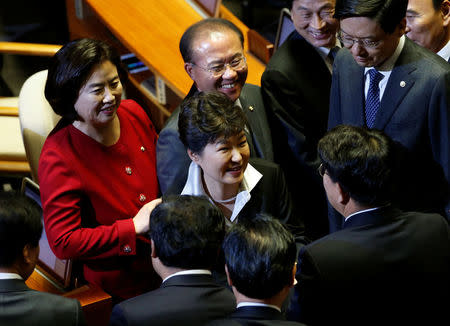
[[444, 40], [220, 192], [164, 271], [353, 207], [106, 135], [277, 300]]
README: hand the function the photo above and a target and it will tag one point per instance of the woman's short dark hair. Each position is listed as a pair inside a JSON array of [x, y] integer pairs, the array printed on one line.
[[69, 70], [206, 117]]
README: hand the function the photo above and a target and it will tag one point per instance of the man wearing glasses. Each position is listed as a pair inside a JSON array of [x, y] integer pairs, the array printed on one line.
[[385, 81], [213, 55], [385, 266]]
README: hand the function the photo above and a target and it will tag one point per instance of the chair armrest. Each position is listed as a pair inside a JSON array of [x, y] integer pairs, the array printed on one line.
[[33, 49]]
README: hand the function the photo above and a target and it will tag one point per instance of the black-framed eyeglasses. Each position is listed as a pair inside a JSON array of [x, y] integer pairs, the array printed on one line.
[[217, 70], [321, 169], [348, 41]]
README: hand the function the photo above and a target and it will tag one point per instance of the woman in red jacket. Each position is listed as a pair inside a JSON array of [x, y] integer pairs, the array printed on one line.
[[97, 171]]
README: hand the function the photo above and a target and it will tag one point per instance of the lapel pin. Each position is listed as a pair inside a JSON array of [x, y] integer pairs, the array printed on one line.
[[251, 108], [402, 84]]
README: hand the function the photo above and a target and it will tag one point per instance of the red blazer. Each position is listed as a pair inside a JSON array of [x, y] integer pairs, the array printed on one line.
[[91, 192]]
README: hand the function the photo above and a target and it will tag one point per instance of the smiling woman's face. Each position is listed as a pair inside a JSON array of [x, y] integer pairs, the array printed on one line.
[[224, 161], [99, 97]]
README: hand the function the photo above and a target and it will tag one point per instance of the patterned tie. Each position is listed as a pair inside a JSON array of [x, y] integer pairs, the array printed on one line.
[[373, 97]]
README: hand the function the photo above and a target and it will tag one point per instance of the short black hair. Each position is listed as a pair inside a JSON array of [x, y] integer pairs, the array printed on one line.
[[437, 4], [187, 231], [260, 254], [206, 117], [20, 224], [71, 67], [361, 160], [387, 13], [205, 26]]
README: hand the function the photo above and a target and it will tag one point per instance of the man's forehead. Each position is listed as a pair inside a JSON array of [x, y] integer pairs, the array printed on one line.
[[216, 41]]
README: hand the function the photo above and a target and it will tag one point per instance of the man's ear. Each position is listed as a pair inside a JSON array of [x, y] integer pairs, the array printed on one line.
[[445, 12], [193, 156], [153, 254], [293, 279], [230, 282], [343, 196], [402, 27], [188, 68], [30, 254]]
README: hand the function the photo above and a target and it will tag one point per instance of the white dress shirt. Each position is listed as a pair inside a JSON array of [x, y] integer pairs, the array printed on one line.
[[194, 186], [445, 51], [385, 69]]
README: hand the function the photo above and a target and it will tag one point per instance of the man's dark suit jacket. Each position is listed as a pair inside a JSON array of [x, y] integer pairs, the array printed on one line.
[[172, 160], [181, 300], [385, 267], [252, 315], [414, 111], [22, 306], [296, 90]]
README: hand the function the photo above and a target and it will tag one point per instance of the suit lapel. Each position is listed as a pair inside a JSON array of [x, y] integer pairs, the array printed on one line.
[[254, 127], [400, 83]]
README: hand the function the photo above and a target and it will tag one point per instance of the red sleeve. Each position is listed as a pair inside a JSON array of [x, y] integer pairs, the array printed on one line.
[[63, 203]]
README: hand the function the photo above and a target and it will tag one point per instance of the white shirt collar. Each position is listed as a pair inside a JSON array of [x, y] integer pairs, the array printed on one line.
[[323, 52], [190, 272], [257, 304], [194, 186], [10, 276], [385, 69], [363, 211], [445, 51]]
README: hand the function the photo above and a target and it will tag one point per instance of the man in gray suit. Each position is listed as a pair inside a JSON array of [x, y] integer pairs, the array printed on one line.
[[213, 53], [20, 231], [385, 81]]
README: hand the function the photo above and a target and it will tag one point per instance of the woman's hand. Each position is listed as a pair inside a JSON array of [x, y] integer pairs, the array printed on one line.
[[142, 219]]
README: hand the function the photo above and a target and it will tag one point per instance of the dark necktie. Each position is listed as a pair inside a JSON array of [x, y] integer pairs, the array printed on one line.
[[332, 53], [373, 97]]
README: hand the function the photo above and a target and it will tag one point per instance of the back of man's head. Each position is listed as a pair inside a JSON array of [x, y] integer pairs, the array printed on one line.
[[260, 255], [387, 13], [187, 232], [362, 162], [20, 225], [205, 26]]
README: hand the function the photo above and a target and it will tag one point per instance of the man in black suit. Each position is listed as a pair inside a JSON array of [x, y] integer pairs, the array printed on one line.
[[385, 81], [296, 89], [428, 24], [186, 234], [213, 52], [20, 231], [260, 267], [386, 266]]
